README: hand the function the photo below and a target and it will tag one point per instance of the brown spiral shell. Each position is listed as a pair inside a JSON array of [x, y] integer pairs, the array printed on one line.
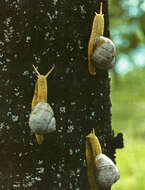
[[42, 120], [103, 56], [106, 171]]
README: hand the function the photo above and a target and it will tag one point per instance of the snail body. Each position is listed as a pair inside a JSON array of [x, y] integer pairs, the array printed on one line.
[[101, 170], [41, 120], [104, 52], [97, 30]]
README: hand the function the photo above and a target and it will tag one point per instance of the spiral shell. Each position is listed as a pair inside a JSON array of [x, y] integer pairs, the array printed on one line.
[[103, 56], [42, 120], [106, 171]]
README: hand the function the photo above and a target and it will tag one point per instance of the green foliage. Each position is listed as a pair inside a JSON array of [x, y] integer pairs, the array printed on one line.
[[128, 116], [127, 27], [130, 162]]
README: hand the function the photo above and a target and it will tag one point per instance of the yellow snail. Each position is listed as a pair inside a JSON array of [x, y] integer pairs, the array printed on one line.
[[41, 120], [101, 170], [101, 50]]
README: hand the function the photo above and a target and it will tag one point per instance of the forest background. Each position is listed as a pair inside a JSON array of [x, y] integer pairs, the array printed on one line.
[[127, 30]]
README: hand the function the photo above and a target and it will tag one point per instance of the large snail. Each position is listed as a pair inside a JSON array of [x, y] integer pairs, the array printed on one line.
[[101, 50], [41, 120], [101, 170]]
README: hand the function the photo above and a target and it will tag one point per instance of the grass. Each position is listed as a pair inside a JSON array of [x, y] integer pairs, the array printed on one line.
[[128, 117]]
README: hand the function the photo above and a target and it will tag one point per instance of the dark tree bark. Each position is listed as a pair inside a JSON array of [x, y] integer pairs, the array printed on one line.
[[44, 33]]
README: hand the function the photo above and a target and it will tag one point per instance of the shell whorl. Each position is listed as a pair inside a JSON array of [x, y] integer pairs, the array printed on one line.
[[106, 171], [104, 53], [42, 120]]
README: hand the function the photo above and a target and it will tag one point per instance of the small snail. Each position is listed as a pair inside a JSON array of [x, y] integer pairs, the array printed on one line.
[[101, 50], [101, 170], [41, 120]]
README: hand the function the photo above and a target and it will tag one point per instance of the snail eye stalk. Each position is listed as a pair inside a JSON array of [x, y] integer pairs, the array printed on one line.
[[49, 72], [36, 70]]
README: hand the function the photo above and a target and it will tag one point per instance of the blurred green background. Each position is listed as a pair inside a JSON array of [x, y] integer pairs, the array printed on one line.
[[127, 29]]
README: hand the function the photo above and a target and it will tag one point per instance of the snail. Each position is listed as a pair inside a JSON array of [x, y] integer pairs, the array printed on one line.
[[101, 50], [41, 120], [101, 170]]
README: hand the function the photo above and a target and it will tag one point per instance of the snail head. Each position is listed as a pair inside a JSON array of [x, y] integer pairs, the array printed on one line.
[[44, 76]]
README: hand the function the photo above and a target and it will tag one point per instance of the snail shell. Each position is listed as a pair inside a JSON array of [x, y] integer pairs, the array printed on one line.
[[106, 171], [104, 52], [42, 120]]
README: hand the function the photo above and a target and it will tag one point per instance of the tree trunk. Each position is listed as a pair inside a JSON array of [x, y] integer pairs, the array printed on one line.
[[46, 33]]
